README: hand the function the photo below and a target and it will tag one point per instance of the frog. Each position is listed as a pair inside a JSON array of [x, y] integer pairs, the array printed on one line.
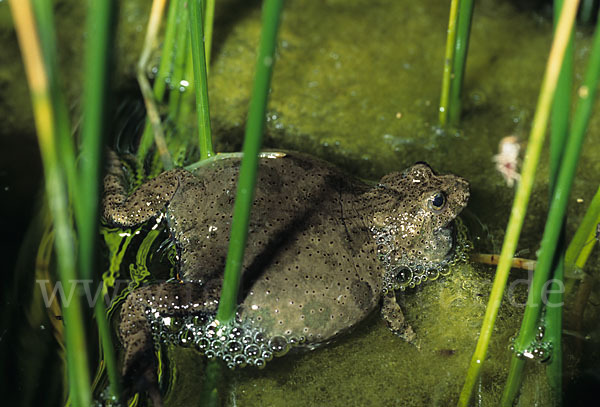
[[324, 250]]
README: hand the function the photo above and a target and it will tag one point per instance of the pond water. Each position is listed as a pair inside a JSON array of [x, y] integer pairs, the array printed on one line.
[[357, 83]]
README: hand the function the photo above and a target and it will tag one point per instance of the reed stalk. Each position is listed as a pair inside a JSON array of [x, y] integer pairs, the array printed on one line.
[[553, 321], [584, 238], [561, 107], [45, 20], [200, 79], [558, 205], [448, 62], [56, 190], [187, 97], [156, 14], [182, 55], [515, 223], [252, 141], [171, 66], [168, 51], [209, 18], [461, 47], [559, 131], [586, 13], [96, 84]]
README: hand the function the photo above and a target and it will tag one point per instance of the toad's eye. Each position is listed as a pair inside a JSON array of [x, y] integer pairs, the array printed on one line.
[[437, 201]]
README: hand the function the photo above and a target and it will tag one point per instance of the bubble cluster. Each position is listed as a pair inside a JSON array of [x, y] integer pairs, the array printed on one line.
[[106, 399], [238, 343], [539, 350], [403, 271]]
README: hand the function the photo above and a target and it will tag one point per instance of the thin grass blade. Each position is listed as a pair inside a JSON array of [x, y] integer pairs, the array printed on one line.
[[513, 230], [98, 48], [558, 206], [209, 18], [66, 146], [448, 62], [252, 143], [56, 190], [461, 48], [178, 50], [561, 110], [168, 51], [200, 79], [584, 239], [156, 14]]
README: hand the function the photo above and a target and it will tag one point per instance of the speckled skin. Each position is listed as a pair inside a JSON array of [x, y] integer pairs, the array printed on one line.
[[311, 267]]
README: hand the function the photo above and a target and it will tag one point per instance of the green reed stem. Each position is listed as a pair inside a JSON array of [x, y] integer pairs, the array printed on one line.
[[553, 322], [561, 107], [586, 14], [168, 51], [56, 190], [583, 241], [558, 205], [200, 79], [461, 47], [209, 18], [152, 113], [182, 42], [561, 110], [96, 84], [165, 68], [513, 230], [448, 62], [145, 141], [249, 167], [66, 147], [93, 128], [188, 97]]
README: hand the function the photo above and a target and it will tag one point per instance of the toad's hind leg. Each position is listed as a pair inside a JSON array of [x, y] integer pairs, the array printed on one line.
[[155, 303], [144, 203]]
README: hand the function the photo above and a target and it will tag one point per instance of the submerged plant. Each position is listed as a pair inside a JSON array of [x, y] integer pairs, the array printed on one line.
[[74, 241]]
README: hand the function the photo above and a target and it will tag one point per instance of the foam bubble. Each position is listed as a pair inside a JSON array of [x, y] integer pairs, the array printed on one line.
[[238, 344], [539, 350], [403, 271]]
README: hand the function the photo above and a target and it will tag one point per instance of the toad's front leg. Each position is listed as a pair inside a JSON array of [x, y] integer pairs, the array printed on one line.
[[393, 316], [146, 202]]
